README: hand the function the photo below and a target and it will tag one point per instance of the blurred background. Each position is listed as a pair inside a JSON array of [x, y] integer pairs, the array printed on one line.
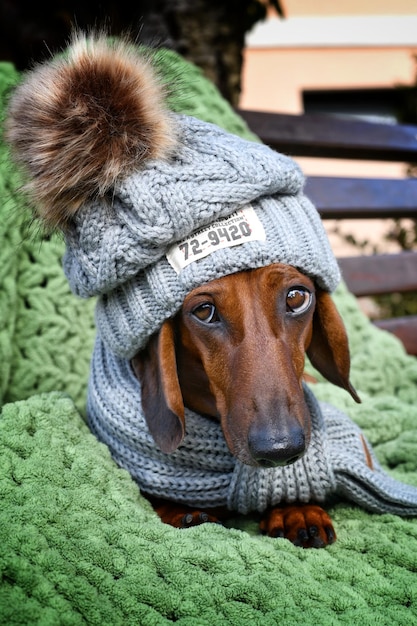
[[356, 58]]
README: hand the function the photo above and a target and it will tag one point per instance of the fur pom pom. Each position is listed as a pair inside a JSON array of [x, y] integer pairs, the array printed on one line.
[[84, 120]]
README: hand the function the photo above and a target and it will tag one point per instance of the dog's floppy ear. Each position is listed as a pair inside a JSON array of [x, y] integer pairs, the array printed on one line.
[[329, 349], [162, 403]]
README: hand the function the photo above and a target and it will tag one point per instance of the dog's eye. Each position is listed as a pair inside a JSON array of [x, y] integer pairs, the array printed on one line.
[[206, 313], [298, 300]]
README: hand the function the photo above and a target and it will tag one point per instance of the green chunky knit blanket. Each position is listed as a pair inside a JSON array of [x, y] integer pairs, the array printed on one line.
[[80, 545]]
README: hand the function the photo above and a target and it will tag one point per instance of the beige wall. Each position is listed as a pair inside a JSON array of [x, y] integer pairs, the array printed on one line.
[[345, 7], [274, 78]]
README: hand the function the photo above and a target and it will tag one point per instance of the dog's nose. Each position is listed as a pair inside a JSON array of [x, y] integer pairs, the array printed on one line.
[[270, 450]]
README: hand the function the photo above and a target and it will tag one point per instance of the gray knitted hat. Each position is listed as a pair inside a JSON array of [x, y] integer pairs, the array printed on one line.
[[219, 205], [184, 203]]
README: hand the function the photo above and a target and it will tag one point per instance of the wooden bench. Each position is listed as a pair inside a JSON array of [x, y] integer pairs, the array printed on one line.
[[336, 197]]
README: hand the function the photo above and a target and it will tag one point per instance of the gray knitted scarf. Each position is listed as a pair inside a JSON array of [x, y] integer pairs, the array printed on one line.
[[202, 472]]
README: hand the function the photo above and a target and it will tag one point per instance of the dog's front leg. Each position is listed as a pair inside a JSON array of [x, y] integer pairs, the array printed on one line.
[[305, 525]]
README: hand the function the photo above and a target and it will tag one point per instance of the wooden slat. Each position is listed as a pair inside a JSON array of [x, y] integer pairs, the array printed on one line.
[[380, 274], [352, 198], [405, 328], [332, 137], [363, 198]]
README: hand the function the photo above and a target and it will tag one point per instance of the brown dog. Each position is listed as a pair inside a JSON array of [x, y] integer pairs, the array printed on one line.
[[98, 118], [235, 352]]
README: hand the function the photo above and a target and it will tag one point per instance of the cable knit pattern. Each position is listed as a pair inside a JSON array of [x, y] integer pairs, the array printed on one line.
[[118, 252], [203, 473], [211, 175]]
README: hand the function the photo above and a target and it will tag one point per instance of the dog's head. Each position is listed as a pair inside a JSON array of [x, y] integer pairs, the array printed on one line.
[[129, 183], [235, 352]]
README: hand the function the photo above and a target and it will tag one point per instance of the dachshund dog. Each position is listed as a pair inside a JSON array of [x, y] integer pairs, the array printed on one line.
[[235, 353]]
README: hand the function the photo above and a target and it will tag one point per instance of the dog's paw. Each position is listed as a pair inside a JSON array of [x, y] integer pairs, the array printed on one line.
[[195, 518], [181, 516], [305, 525]]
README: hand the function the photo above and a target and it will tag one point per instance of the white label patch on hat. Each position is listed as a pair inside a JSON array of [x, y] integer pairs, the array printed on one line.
[[241, 226]]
